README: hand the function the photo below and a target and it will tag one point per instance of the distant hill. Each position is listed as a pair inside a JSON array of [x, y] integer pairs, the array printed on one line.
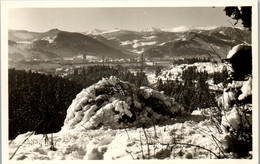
[[110, 43], [180, 42], [118, 43], [19, 51], [201, 43], [21, 35], [59, 44]]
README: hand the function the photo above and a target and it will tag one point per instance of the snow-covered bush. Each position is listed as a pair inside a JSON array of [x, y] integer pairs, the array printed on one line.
[[236, 101], [237, 118], [237, 125], [118, 104]]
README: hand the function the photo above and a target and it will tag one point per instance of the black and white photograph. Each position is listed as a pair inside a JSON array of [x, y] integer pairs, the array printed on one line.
[[130, 81]]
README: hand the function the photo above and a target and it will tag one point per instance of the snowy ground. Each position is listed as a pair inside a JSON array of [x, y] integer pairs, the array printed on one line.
[[182, 138]]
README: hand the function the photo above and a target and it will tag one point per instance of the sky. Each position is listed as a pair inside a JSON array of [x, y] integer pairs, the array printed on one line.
[[135, 18]]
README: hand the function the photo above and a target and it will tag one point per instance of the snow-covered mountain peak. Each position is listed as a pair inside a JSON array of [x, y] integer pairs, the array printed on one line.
[[97, 31], [189, 28], [177, 29], [100, 32], [113, 30], [150, 29]]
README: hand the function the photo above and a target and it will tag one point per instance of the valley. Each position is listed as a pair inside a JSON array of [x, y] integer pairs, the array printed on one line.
[[47, 51]]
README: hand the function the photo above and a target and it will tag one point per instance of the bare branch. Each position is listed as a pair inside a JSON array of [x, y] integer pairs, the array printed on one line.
[[21, 145], [237, 31]]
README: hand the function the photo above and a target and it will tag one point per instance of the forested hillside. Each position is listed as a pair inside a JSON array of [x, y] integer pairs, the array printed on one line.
[[38, 102]]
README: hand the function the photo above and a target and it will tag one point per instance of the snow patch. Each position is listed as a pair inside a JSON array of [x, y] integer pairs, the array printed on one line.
[[138, 52], [149, 37], [49, 39], [161, 44], [111, 38], [24, 42], [124, 43], [139, 44], [222, 32]]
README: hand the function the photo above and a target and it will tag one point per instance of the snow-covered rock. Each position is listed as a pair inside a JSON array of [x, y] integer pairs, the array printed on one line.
[[235, 49], [240, 58]]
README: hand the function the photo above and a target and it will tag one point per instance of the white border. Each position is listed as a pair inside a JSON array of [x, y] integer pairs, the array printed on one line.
[[5, 5]]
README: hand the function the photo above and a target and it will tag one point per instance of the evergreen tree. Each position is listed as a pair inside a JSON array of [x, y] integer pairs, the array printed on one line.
[[244, 14], [158, 71]]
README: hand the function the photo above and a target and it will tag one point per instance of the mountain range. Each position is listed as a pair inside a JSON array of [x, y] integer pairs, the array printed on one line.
[[119, 43]]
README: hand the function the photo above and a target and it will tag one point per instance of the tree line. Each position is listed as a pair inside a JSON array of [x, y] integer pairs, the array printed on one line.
[[38, 102], [193, 91], [87, 76]]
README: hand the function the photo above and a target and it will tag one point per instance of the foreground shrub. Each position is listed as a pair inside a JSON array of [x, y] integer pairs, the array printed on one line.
[[118, 104]]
